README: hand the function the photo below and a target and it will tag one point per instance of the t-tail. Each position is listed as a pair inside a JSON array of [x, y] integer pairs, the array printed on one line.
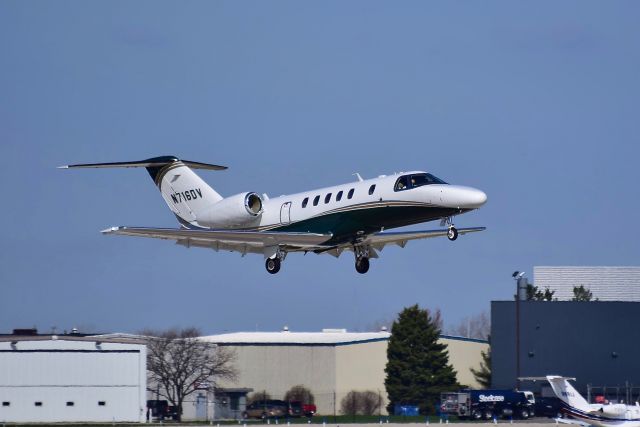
[[565, 392], [185, 193]]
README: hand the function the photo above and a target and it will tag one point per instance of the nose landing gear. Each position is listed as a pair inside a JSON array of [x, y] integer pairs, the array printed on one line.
[[452, 234]]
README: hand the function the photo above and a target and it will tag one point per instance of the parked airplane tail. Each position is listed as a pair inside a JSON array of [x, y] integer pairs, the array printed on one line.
[[565, 392], [185, 193]]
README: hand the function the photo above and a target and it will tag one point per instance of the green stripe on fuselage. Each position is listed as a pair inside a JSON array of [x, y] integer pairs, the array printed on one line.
[[346, 224]]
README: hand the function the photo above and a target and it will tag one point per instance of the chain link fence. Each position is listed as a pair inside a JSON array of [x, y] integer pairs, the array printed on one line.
[[627, 393]]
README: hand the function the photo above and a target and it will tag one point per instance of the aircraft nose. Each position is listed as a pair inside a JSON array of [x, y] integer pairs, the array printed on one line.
[[476, 198], [466, 197]]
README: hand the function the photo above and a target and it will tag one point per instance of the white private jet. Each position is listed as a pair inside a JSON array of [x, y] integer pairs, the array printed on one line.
[[330, 220], [583, 413]]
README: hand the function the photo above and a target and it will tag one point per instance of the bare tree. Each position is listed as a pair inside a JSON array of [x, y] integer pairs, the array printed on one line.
[[349, 405], [258, 396], [300, 393], [370, 402], [477, 326], [360, 403], [179, 363]]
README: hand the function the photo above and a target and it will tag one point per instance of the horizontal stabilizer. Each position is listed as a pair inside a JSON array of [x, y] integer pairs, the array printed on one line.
[[149, 163]]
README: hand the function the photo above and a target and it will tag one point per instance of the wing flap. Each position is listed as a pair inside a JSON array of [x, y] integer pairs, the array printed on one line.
[[208, 238]]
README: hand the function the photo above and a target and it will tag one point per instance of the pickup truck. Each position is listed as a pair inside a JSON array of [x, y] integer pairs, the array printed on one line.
[[309, 410]]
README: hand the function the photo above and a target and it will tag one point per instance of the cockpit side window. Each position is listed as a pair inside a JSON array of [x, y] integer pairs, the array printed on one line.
[[416, 180], [402, 183]]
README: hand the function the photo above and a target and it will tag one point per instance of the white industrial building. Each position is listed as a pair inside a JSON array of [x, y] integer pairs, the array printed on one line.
[[71, 379], [605, 283], [330, 363]]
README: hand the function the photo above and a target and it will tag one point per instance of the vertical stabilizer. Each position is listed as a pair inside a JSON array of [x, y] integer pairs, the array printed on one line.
[[567, 393]]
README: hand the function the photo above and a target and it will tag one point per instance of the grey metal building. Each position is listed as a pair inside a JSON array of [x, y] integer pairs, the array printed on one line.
[[605, 283], [596, 342], [71, 379]]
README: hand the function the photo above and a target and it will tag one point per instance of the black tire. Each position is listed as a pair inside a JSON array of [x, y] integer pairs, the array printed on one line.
[[488, 415], [476, 415], [362, 265], [524, 413], [272, 265], [452, 234], [244, 415]]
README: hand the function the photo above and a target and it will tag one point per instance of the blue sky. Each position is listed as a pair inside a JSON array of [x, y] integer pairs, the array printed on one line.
[[534, 103]]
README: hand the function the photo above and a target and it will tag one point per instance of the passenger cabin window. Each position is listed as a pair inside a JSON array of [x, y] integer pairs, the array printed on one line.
[[316, 200], [407, 182], [327, 198], [304, 202], [372, 189], [350, 193], [38, 403], [339, 196], [6, 403], [69, 403], [102, 403]]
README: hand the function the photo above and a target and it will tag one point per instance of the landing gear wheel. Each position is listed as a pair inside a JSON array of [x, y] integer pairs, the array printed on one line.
[[452, 234], [272, 265], [362, 265]]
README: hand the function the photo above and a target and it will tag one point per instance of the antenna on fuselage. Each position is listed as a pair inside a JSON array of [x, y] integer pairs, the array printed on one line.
[[358, 176]]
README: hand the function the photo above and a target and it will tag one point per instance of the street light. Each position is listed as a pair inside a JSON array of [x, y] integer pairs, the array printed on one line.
[[521, 294]]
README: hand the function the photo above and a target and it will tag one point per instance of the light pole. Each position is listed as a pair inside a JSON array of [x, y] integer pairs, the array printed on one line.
[[521, 294]]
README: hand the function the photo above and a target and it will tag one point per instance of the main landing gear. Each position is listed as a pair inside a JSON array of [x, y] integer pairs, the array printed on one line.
[[362, 265], [362, 258], [273, 264]]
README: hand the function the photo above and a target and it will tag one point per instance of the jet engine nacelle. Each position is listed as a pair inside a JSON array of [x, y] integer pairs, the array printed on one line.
[[614, 410], [233, 211]]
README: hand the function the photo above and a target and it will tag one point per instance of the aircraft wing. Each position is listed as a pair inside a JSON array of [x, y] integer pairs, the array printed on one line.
[[239, 241], [377, 241], [571, 421], [402, 237]]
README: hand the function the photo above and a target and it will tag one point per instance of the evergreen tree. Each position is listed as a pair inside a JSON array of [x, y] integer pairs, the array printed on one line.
[[418, 368], [535, 294], [580, 293], [483, 375]]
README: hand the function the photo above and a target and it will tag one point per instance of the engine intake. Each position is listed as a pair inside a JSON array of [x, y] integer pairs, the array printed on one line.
[[253, 203], [237, 210]]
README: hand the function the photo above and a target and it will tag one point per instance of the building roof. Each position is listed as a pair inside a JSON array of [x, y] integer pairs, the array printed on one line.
[[332, 337], [326, 337]]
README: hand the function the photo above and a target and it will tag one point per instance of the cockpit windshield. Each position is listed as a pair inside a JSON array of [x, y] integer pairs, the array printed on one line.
[[407, 182]]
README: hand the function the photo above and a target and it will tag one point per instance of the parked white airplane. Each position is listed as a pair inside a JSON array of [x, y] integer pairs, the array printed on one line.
[[330, 220], [574, 405]]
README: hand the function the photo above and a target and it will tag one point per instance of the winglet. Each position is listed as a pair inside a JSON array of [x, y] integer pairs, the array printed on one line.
[[110, 230]]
